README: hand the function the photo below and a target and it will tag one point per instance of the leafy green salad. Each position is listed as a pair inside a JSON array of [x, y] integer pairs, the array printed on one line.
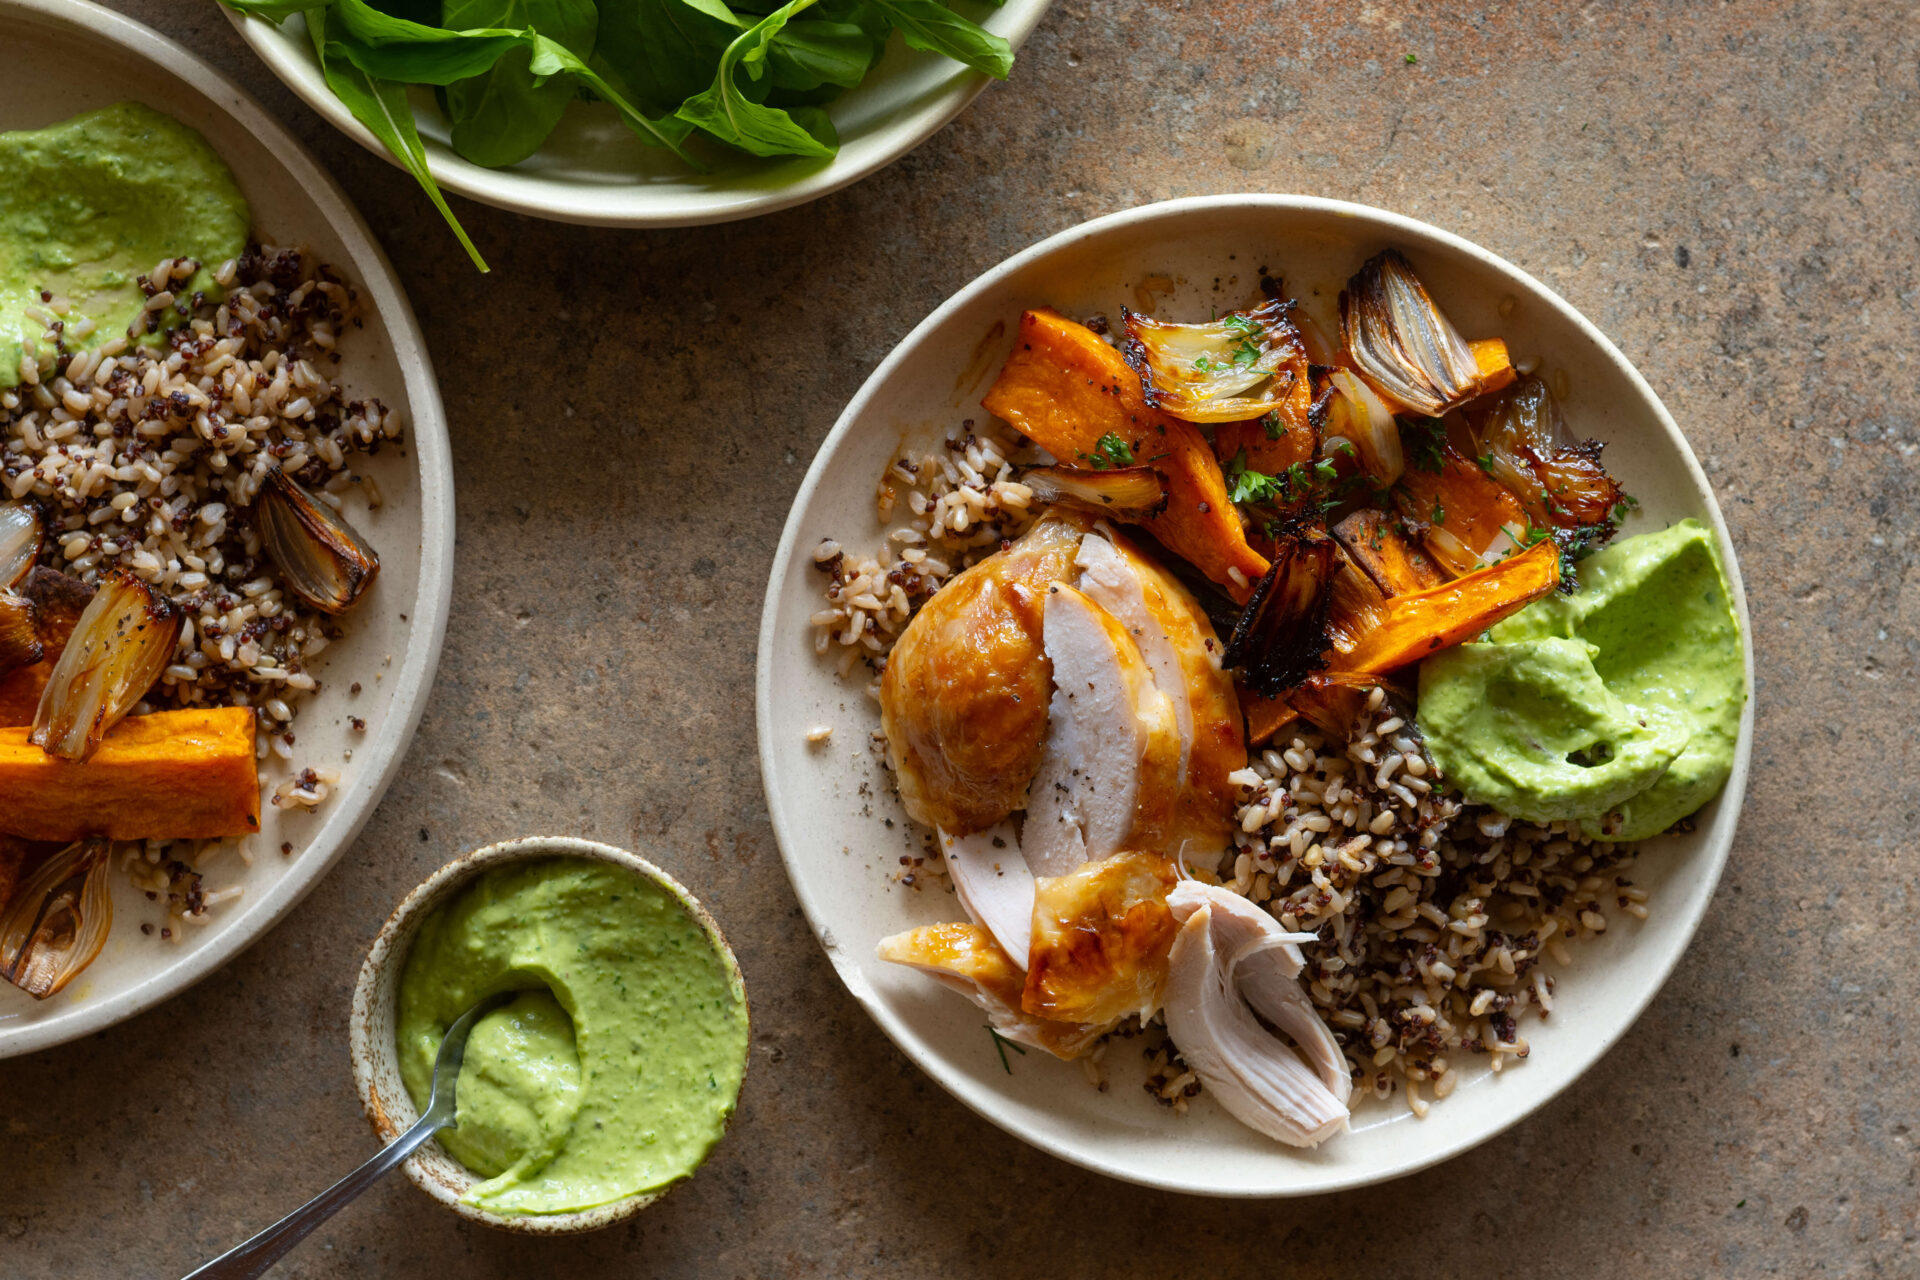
[[750, 76]]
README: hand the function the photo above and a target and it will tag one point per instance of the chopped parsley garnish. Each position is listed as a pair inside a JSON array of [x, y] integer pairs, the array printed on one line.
[[1275, 428], [1412, 59], [1439, 512], [1486, 462], [1247, 485], [1627, 505], [1109, 451], [1318, 482]]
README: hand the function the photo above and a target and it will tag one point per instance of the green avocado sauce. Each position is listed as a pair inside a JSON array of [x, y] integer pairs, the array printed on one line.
[[89, 207], [615, 1070], [1617, 706]]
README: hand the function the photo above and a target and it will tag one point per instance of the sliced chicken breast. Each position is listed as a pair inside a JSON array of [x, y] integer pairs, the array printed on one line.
[[1181, 650], [1112, 746], [964, 698], [965, 958], [994, 884], [1252, 1072]]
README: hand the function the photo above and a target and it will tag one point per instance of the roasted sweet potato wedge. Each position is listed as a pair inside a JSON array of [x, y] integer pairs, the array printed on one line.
[[1280, 440], [1067, 391], [1375, 543], [1464, 516], [1423, 622], [173, 775]]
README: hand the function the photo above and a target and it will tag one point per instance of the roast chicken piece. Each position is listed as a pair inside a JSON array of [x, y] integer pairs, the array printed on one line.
[[1255, 1075], [1100, 940], [966, 958], [964, 698], [1265, 963], [994, 884], [1183, 653], [1108, 775]]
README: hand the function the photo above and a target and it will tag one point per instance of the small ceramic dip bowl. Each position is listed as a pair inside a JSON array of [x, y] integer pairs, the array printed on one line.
[[376, 1059]]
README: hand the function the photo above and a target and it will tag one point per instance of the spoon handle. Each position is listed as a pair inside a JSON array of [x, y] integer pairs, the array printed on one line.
[[254, 1257]]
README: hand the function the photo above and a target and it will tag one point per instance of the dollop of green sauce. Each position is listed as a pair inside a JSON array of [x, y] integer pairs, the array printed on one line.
[[1618, 706], [90, 206], [616, 1069]]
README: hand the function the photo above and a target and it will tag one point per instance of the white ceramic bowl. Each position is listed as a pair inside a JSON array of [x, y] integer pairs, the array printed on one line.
[[375, 1053], [830, 806], [592, 170], [64, 57]]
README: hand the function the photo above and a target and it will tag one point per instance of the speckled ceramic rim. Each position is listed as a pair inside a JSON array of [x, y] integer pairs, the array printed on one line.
[[370, 1028], [635, 203], [379, 759], [784, 809]]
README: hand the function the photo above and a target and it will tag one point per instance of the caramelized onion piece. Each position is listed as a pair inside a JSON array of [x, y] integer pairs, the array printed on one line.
[[21, 536], [19, 632], [1214, 372], [1282, 637], [326, 563], [119, 647], [1355, 413], [57, 921], [1126, 493], [1401, 342], [1525, 446]]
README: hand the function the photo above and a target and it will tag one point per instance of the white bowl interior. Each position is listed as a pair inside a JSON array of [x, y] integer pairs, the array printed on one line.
[[375, 1050], [832, 807], [593, 170], [69, 58]]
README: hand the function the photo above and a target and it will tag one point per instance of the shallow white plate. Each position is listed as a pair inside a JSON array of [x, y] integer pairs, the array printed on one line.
[[831, 806], [65, 57], [592, 170]]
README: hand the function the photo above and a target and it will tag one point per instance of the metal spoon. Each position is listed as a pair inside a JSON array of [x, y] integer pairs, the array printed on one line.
[[260, 1253]]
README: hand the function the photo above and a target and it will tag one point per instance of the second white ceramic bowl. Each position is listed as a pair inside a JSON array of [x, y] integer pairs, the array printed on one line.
[[840, 825], [593, 171]]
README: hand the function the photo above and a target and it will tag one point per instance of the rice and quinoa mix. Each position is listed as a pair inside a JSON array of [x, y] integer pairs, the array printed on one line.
[[1434, 916], [146, 458]]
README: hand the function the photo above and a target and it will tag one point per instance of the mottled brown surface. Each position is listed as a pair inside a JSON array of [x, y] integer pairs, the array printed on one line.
[[1728, 190]]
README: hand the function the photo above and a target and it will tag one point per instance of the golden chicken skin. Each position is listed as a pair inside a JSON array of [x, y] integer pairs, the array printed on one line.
[[964, 697]]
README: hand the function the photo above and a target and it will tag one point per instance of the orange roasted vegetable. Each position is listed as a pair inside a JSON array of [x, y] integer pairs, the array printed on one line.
[[1376, 544], [1373, 634], [1494, 364], [1066, 390], [173, 775], [1280, 440], [1266, 716], [1465, 517], [1424, 622]]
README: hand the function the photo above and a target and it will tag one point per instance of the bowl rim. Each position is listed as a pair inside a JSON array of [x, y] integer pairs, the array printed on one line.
[[633, 204], [379, 760], [391, 947], [1711, 860]]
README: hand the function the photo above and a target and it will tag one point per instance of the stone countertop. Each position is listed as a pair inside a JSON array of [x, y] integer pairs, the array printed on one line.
[[1727, 190]]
